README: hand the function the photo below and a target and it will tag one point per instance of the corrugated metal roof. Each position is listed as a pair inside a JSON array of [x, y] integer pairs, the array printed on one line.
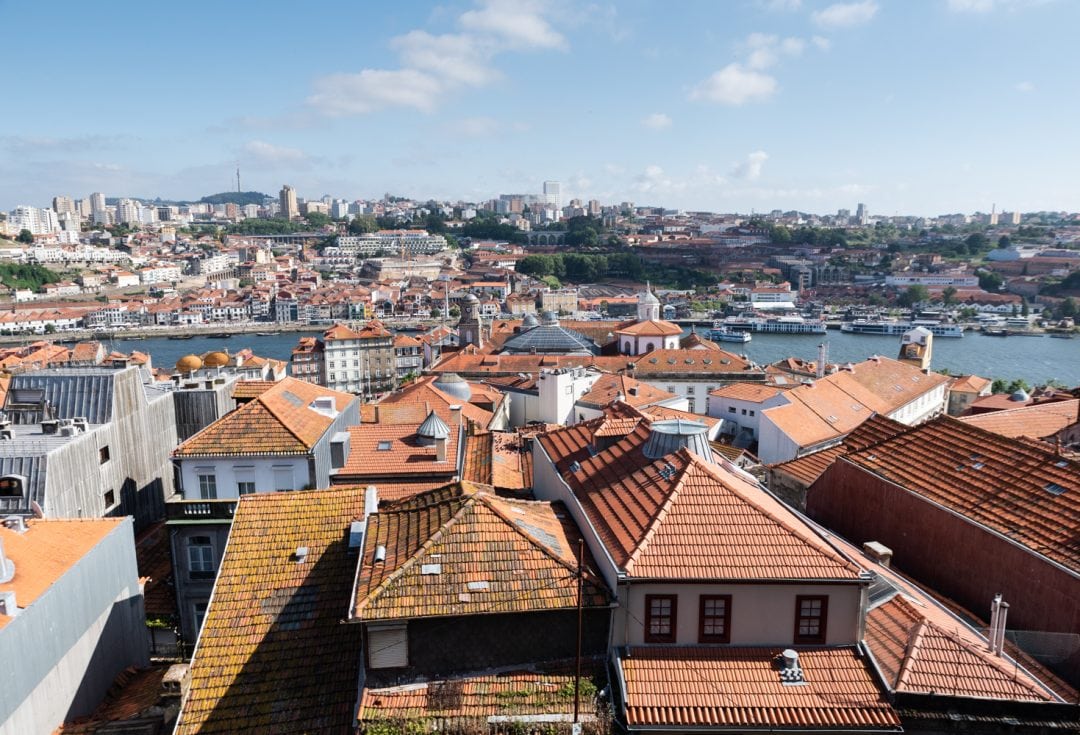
[[33, 469], [72, 393]]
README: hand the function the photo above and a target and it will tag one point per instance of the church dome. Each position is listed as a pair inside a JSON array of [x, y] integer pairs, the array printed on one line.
[[215, 359], [454, 385], [188, 364], [529, 322]]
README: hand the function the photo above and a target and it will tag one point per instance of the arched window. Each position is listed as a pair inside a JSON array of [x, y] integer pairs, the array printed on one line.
[[648, 347]]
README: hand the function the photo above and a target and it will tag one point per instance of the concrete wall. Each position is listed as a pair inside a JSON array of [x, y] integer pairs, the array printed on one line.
[[61, 653], [773, 444], [761, 614], [956, 557]]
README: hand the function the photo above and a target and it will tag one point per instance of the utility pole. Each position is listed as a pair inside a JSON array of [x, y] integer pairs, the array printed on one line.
[[577, 663]]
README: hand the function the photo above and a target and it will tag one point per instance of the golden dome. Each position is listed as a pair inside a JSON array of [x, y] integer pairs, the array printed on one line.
[[215, 359], [188, 363]]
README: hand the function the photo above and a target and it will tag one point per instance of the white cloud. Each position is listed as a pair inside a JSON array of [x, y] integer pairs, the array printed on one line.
[[750, 169], [735, 85], [764, 50], [517, 23], [375, 89], [271, 153], [657, 121], [432, 66], [846, 15], [777, 6], [822, 43], [1025, 87]]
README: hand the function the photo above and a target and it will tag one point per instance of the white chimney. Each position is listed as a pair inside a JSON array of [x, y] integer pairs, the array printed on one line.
[[371, 501], [999, 611], [7, 604], [455, 415]]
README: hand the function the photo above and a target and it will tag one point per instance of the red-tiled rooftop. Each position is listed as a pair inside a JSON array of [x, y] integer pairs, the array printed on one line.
[[724, 687], [1014, 487], [1036, 421], [810, 467]]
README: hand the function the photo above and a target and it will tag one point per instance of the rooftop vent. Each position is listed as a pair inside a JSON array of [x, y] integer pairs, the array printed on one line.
[[878, 551], [430, 569], [433, 428], [790, 671], [301, 554], [7, 604], [380, 554], [671, 435]]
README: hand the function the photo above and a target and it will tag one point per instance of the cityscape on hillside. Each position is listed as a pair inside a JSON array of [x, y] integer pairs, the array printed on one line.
[[712, 427]]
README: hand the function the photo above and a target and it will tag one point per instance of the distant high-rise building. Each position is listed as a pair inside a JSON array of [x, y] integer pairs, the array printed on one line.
[[127, 212], [993, 216], [594, 208], [553, 194], [63, 204], [289, 208], [37, 221], [861, 214], [1013, 218], [98, 212]]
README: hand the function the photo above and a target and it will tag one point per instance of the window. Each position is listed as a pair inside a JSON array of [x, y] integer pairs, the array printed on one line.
[[199, 608], [110, 498], [103, 454], [714, 619], [207, 487], [751, 413], [744, 412], [660, 615], [200, 557], [283, 478], [811, 616], [731, 409], [245, 487]]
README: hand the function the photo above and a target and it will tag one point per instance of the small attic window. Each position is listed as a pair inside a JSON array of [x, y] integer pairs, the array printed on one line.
[[1054, 489], [898, 388], [1063, 463], [430, 569], [478, 586], [977, 466], [384, 446]]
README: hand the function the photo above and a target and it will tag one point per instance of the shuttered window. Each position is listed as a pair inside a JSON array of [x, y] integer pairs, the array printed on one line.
[[388, 647]]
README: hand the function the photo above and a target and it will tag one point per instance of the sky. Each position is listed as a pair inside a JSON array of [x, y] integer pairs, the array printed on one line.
[[911, 106]]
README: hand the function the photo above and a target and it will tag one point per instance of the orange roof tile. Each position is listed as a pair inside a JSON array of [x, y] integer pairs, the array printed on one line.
[[755, 392], [650, 327], [970, 384], [247, 389], [608, 387], [279, 421], [388, 450], [1014, 487], [274, 656], [810, 467], [423, 393], [726, 687], [470, 553], [1037, 421], [46, 551]]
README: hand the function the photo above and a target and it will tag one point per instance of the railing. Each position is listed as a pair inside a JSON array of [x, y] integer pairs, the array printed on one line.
[[197, 510]]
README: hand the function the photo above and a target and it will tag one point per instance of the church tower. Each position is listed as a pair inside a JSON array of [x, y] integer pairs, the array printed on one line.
[[470, 328], [648, 306]]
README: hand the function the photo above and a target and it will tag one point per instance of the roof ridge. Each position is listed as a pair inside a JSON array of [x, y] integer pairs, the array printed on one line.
[[421, 550], [280, 419], [914, 641]]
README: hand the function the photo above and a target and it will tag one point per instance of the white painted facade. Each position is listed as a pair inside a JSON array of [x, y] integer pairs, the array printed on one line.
[[266, 474], [738, 414]]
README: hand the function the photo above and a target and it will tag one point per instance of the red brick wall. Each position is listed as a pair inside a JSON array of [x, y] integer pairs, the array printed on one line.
[[955, 557]]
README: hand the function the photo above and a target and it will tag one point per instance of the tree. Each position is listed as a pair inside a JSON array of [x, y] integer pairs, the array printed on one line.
[[317, 219], [455, 311], [436, 312], [990, 281], [948, 295], [913, 295], [976, 242], [25, 236], [1068, 307], [50, 328], [362, 225]]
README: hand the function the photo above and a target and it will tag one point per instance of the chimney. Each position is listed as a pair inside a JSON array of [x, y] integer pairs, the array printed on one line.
[[7, 566], [7, 604], [879, 552], [455, 415], [999, 611], [371, 501], [440, 449]]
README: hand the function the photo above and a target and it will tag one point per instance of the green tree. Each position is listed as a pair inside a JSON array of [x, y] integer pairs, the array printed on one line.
[[317, 219], [436, 312], [976, 242], [913, 295], [990, 281], [948, 295], [50, 328], [455, 311], [362, 225], [1068, 307], [25, 236]]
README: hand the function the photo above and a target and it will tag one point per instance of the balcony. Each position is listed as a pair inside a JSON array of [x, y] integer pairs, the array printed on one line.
[[198, 511]]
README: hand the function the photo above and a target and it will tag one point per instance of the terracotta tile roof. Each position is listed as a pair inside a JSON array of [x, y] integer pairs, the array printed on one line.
[[1014, 487], [755, 392], [649, 328], [608, 387], [498, 459], [919, 655], [404, 340], [274, 656], [544, 689], [46, 551], [424, 393], [970, 384], [278, 421], [390, 450], [726, 687], [155, 571], [392, 491], [692, 362], [732, 453], [1037, 421], [247, 389], [680, 517], [470, 554], [810, 467], [132, 693]]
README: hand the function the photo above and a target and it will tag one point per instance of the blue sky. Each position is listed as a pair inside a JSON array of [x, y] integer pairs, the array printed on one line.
[[912, 106]]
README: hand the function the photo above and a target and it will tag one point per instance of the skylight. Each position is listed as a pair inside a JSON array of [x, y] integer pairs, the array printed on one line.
[[384, 446], [1054, 489]]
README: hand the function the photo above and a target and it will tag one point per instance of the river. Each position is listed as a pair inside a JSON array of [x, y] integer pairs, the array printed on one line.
[[1034, 359]]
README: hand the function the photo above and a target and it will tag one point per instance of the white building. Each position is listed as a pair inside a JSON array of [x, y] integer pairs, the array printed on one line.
[[413, 242], [933, 279], [553, 194], [38, 221], [159, 274]]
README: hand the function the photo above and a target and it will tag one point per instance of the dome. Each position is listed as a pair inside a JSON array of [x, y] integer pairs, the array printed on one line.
[[529, 322], [470, 299], [1020, 396], [671, 435], [648, 297], [433, 428], [188, 364], [215, 359], [550, 319], [454, 385]]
